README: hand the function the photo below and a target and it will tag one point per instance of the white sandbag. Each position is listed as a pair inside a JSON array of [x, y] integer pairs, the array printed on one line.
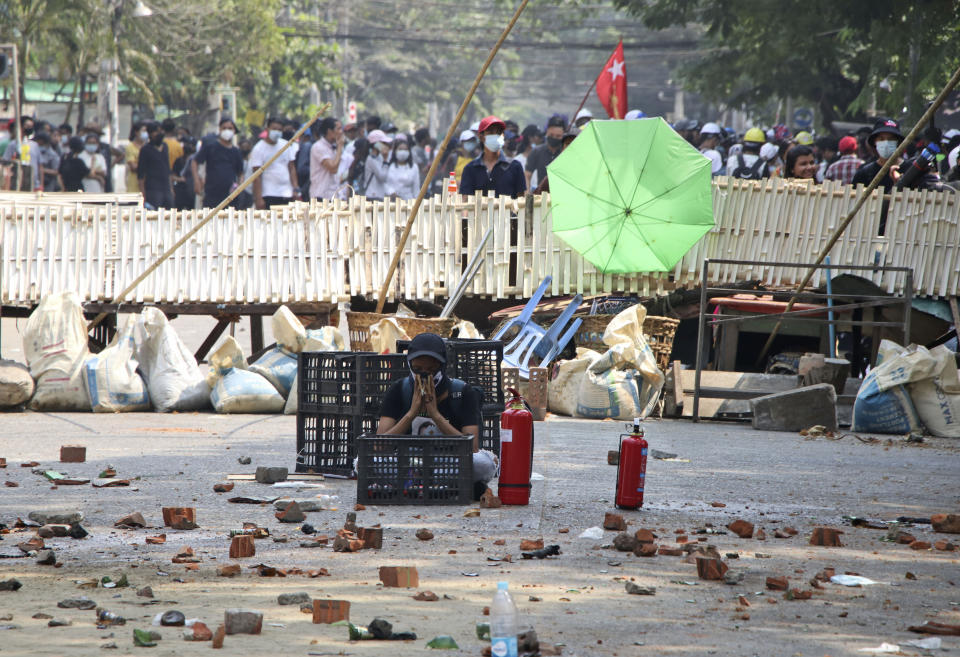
[[55, 344], [235, 389], [174, 381], [288, 331], [883, 404], [564, 383], [279, 367], [937, 399], [291, 405], [465, 329], [16, 384], [624, 382], [113, 384], [384, 335]]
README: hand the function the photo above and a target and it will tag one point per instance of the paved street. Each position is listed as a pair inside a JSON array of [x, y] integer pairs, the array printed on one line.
[[771, 479]]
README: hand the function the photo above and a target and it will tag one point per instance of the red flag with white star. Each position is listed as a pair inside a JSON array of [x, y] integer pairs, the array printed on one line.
[[612, 84]]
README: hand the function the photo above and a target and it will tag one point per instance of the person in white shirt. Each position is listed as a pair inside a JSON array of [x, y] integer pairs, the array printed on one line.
[[325, 155], [278, 183], [403, 176], [376, 166], [710, 135], [95, 181]]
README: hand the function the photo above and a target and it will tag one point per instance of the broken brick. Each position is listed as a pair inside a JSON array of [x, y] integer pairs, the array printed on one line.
[[826, 537], [73, 454], [11, 484], [741, 528], [670, 551], [645, 550], [785, 532], [490, 501], [944, 546], [499, 541], [528, 544], [291, 513], [645, 536], [717, 505], [223, 488], [946, 523], [710, 569], [218, 637], [330, 611], [399, 576], [347, 542], [241, 546], [778, 583], [760, 535], [134, 520], [427, 535], [228, 570], [426, 596], [156, 540], [742, 601], [919, 545], [359, 507], [172, 514], [186, 555], [611, 521], [613, 457], [372, 537], [797, 594], [201, 632], [903, 538]]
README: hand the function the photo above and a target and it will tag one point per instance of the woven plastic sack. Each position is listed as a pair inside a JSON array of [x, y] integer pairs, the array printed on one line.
[[113, 384], [234, 388], [174, 381], [55, 344]]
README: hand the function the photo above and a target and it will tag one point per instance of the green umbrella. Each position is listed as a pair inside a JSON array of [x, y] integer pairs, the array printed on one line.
[[631, 196]]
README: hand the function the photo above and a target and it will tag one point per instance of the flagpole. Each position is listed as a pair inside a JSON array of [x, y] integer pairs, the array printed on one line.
[[583, 102]]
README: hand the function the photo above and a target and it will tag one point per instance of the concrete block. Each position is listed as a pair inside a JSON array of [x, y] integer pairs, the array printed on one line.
[[267, 475], [795, 410], [816, 368]]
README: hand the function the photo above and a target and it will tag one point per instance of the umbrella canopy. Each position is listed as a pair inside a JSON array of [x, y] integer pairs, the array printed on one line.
[[631, 196]]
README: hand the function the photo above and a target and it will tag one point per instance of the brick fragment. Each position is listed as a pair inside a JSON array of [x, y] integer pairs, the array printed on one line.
[[710, 569], [645, 550], [426, 596], [614, 522], [946, 523], [330, 611], [903, 538], [667, 551], [218, 637], [223, 488], [228, 570], [426, 535], [201, 632], [826, 536], [778, 583], [73, 454], [291, 513], [399, 576], [490, 501], [530, 544], [920, 545], [175, 514], [741, 528], [760, 535], [645, 536], [372, 537], [797, 594], [944, 546], [242, 547]]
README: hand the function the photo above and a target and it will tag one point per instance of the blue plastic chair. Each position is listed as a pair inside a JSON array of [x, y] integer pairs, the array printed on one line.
[[524, 317], [533, 339]]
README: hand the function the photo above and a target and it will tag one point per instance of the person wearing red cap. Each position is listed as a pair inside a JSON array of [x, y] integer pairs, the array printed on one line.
[[846, 167], [491, 171]]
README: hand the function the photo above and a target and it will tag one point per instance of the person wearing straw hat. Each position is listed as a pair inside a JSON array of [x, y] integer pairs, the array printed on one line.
[[429, 403]]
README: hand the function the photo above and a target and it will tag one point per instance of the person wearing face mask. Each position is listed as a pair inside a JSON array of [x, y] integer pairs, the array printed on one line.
[[377, 165], [429, 403], [491, 171], [48, 163], [95, 181], [138, 137], [184, 197], [278, 184], [466, 152], [541, 156], [883, 141], [24, 156], [172, 140], [224, 165], [403, 177], [153, 169], [72, 168]]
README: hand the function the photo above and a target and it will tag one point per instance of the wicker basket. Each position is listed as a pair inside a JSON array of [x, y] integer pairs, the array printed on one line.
[[359, 326], [658, 331]]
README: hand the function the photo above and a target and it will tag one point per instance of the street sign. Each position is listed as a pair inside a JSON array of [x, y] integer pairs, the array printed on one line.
[[352, 112], [803, 117]]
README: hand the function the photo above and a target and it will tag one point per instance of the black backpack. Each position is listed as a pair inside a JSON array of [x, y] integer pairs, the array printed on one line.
[[756, 172]]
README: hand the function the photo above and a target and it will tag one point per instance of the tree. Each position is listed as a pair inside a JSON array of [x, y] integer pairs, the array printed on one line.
[[833, 54]]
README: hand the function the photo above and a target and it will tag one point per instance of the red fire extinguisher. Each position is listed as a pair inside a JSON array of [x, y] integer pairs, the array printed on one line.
[[516, 452], [632, 469]]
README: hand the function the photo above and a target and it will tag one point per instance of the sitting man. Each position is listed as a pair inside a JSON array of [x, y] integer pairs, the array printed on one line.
[[429, 403]]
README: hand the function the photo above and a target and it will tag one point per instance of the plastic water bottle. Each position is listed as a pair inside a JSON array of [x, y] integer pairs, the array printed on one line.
[[503, 623]]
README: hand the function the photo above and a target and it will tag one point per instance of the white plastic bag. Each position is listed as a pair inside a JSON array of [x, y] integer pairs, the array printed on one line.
[[624, 382], [55, 344], [883, 404], [937, 399], [235, 389], [174, 381], [113, 385], [16, 384]]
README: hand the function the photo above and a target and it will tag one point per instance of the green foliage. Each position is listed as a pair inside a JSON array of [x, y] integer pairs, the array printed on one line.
[[832, 54]]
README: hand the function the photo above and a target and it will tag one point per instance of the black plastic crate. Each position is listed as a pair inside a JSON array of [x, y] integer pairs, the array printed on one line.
[[477, 362], [414, 470], [343, 382], [490, 432], [327, 442]]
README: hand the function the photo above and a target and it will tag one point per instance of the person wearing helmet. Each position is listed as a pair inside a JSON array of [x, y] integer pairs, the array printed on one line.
[[710, 135], [634, 114], [804, 138], [747, 164], [582, 118]]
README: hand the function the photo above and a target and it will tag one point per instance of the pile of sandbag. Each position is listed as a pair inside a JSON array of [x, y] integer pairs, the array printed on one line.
[[16, 384], [909, 389], [55, 344], [622, 383]]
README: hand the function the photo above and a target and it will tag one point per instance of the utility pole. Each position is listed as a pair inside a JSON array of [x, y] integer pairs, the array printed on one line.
[[14, 58]]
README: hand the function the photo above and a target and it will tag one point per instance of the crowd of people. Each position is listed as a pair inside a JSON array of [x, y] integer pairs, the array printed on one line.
[[171, 168]]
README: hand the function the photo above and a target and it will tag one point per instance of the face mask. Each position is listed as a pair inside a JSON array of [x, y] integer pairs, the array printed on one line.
[[469, 146], [275, 135], [244, 152], [157, 139], [287, 134], [554, 142], [27, 132], [403, 156], [90, 148], [437, 377], [886, 148], [493, 142], [226, 134], [144, 135], [64, 139]]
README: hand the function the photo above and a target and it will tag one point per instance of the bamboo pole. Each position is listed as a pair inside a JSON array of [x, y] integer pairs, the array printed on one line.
[[927, 116], [210, 215], [442, 149]]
